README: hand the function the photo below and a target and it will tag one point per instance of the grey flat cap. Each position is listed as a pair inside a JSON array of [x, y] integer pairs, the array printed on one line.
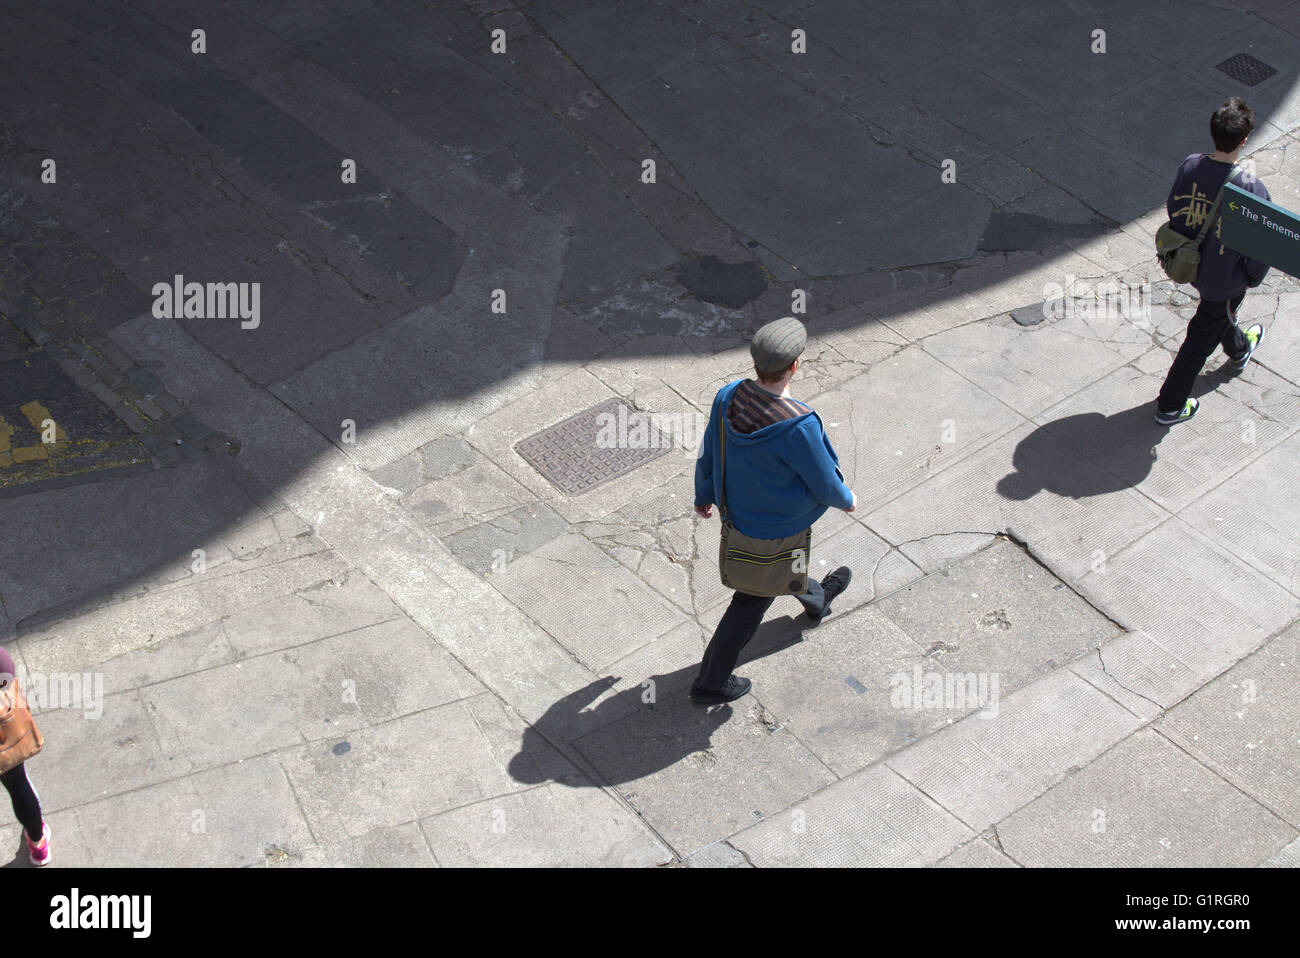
[[778, 344]]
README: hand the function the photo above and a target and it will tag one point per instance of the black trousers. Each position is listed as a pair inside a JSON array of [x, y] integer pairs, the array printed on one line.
[[738, 625], [1210, 328], [27, 806]]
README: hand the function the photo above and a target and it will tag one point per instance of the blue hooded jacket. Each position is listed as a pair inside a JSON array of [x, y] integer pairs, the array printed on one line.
[[780, 479]]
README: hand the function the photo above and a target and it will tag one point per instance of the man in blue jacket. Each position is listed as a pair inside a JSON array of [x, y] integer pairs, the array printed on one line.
[[1224, 274], [782, 475]]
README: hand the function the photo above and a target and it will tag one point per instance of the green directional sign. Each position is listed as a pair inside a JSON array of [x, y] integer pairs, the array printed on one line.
[[1259, 229]]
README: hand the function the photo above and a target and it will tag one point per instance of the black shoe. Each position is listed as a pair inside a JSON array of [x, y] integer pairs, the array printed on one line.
[[1255, 336], [833, 585], [731, 690], [1179, 415]]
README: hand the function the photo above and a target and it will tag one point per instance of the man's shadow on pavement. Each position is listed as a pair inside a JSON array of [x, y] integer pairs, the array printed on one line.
[[1120, 450], [632, 738]]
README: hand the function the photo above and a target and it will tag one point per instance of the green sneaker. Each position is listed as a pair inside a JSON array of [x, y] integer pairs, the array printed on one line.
[[1255, 333], [1182, 415]]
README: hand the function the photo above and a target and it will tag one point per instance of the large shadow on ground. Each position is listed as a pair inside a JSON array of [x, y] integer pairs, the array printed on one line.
[[1124, 445], [824, 171], [632, 738]]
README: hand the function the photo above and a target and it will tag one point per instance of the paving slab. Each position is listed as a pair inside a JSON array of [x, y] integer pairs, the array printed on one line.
[[1191, 596], [1047, 496], [190, 506], [942, 549], [203, 820], [349, 603], [1109, 182], [871, 819], [1138, 673], [395, 668], [297, 695], [855, 38], [1047, 56], [86, 758], [548, 826], [1288, 857], [1283, 356], [942, 223], [490, 546], [1242, 724], [112, 630], [899, 443], [73, 849], [717, 855], [981, 770], [410, 768], [977, 853], [877, 568], [1144, 804], [1162, 147], [400, 846], [697, 773], [586, 600], [999, 613], [1021, 367], [1171, 467], [833, 688], [1253, 515], [472, 621], [665, 666], [522, 664], [959, 91], [1040, 220], [927, 315]]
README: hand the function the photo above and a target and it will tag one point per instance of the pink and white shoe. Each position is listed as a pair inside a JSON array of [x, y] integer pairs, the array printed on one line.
[[39, 854]]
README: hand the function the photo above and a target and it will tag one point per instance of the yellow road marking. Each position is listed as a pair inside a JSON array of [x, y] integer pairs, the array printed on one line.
[[29, 453], [37, 415]]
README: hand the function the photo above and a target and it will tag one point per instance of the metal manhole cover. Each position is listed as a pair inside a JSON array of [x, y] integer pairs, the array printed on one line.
[[594, 446], [1246, 69]]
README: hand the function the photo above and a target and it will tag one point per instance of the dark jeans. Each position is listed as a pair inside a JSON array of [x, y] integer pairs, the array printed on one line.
[[738, 625], [27, 806], [1210, 328]]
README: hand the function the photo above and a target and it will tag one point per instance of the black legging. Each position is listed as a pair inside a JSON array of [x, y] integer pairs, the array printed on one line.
[[27, 806]]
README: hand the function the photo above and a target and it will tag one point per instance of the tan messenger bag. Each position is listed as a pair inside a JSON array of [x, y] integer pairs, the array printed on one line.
[[767, 567]]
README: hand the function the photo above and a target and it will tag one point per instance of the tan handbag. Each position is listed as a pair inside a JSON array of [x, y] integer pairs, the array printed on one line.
[[766, 567], [20, 739]]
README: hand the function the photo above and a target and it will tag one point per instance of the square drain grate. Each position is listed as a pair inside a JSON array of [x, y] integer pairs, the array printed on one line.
[[594, 446], [1246, 69]]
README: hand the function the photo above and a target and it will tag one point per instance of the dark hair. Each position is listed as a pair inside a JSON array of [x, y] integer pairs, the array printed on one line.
[[1231, 124], [774, 376]]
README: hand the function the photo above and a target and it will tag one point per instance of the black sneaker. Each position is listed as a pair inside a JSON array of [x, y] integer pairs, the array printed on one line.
[[833, 585], [731, 690], [1254, 335], [1179, 415]]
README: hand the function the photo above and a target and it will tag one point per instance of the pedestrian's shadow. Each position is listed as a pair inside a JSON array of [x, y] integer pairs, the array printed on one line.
[[652, 735], [1120, 450], [22, 858]]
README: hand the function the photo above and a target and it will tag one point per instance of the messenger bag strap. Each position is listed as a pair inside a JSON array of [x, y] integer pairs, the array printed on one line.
[[722, 493], [1209, 218]]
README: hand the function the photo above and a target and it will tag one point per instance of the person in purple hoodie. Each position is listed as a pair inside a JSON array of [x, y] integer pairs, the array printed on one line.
[[1224, 274], [782, 475]]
